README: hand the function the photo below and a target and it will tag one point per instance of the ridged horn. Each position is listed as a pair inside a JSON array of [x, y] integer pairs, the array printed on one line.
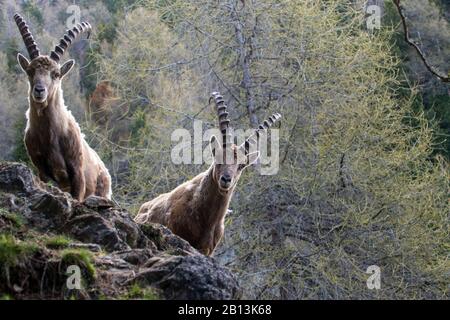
[[27, 36], [262, 128], [69, 37], [222, 113]]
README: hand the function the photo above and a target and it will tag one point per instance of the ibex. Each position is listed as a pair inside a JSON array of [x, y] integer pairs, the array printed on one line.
[[53, 138], [196, 210], [100, 103]]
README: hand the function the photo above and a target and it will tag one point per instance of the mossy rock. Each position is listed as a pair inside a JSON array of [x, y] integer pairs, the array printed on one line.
[[81, 258], [58, 242], [13, 251]]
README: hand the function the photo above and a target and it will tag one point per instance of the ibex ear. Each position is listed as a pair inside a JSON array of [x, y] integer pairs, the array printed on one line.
[[252, 158], [23, 62], [214, 145], [246, 160], [66, 67]]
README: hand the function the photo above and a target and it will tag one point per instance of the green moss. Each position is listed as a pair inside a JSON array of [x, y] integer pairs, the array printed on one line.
[[80, 257], [6, 297], [57, 242], [12, 251], [16, 220], [137, 292]]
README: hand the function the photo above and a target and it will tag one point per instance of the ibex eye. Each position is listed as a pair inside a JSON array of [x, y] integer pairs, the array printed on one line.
[[56, 75]]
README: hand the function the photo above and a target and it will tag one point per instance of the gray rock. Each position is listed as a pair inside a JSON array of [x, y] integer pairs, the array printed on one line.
[[16, 177], [88, 246], [165, 240], [95, 202], [123, 252], [189, 278]]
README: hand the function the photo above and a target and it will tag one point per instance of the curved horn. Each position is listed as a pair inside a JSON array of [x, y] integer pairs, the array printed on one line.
[[222, 113], [262, 128], [69, 37], [27, 37]]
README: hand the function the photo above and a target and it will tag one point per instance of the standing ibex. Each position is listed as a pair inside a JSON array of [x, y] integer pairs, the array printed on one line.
[[196, 210], [53, 137]]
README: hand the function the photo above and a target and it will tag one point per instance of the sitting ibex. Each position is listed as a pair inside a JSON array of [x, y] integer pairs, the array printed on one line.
[[53, 138], [196, 210]]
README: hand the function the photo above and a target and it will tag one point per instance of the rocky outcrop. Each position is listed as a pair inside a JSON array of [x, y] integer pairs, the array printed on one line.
[[43, 232]]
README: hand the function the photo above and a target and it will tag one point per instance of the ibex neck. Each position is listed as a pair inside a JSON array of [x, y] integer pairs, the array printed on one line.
[[215, 203]]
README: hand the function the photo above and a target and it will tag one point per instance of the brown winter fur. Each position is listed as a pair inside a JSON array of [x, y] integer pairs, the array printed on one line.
[[195, 211], [53, 137], [100, 103], [109, 112]]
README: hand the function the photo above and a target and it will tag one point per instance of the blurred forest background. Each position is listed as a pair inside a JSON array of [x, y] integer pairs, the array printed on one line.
[[365, 145]]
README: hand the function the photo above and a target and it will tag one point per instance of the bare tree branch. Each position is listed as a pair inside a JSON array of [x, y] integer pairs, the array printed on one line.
[[430, 68]]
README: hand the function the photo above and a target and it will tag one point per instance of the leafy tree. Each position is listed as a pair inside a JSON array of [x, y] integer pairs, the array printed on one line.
[[361, 179], [356, 186]]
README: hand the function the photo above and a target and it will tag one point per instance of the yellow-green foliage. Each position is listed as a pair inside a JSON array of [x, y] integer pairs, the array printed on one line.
[[366, 192], [147, 70], [358, 183]]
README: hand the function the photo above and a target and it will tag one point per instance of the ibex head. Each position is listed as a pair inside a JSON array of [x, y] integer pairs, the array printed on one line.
[[229, 159], [44, 72]]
